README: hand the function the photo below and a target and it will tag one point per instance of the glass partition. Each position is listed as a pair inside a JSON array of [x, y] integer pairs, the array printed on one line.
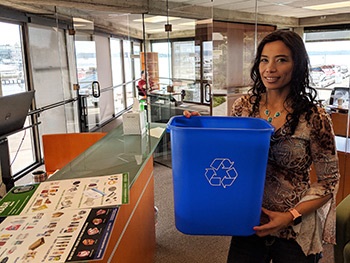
[[234, 47], [199, 55], [329, 53], [117, 73], [175, 44]]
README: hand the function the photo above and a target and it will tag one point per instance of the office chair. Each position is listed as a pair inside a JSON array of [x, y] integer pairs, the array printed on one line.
[[342, 248]]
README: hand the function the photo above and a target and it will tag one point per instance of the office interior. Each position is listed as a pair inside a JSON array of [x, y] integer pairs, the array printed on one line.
[[84, 59]]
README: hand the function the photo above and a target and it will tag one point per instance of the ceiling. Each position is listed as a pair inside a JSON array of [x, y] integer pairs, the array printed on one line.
[[111, 14], [285, 8]]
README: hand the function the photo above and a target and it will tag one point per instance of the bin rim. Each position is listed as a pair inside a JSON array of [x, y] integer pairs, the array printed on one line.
[[268, 127]]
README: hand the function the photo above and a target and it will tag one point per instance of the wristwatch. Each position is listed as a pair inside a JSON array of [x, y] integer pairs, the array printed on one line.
[[296, 216]]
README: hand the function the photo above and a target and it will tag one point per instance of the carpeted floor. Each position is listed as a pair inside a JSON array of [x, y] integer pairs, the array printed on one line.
[[172, 245], [175, 247]]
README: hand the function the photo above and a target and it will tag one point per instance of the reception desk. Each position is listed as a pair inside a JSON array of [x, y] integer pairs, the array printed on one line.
[[133, 235]]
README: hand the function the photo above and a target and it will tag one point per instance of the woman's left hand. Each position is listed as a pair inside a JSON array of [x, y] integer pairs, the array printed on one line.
[[278, 221]]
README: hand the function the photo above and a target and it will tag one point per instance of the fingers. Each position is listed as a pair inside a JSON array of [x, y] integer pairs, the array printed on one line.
[[277, 221], [266, 229], [188, 114]]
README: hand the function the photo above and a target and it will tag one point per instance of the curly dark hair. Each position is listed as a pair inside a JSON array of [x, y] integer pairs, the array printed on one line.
[[302, 97]]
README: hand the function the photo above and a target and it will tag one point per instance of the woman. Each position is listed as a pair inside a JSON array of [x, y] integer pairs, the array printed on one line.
[[297, 217]]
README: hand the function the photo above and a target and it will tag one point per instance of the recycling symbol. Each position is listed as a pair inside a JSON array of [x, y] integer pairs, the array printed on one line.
[[221, 172]]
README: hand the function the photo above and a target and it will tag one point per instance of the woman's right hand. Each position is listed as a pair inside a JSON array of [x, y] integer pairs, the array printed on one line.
[[188, 114]]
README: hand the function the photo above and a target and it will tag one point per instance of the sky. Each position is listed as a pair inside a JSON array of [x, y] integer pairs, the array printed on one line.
[[11, 33]]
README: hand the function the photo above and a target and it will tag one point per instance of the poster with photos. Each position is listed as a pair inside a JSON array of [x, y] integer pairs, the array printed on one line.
[[60, 236], [92, 192]]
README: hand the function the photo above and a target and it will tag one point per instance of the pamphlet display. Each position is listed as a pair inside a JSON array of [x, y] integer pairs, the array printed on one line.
[[102, 191], [60, 236], [61, 221], [16, 199]]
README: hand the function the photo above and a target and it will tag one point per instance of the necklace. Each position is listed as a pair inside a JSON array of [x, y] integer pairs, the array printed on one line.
[[271, 118]]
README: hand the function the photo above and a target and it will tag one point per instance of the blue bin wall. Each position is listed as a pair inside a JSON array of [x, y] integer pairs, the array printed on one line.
[[219, 166]]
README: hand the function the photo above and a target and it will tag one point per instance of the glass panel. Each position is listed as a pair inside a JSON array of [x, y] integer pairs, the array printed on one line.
[[128, 71], [86, 65], [21, 149], [127, 60], [12, 80], [176, 60], [11, 63], [155, 61], [87, 74], [330, 64], [117, 74], [49, 60], [184, 61], [329, 54], [105, 101], [129, 94], [233, 52], [136, 59], [71, 109], [116, 56], [184, 54], [164, 59]]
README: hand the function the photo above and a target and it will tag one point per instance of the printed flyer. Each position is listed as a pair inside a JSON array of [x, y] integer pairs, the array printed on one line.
[[60, 236], [16, 199], [92, 192]]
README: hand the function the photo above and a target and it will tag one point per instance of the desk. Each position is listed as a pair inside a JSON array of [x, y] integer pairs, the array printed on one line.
[[164, 95], [342, 144], [162, 104], [133, 235], [336, 108]]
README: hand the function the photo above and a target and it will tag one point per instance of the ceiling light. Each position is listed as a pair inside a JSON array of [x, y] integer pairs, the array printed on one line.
[[81, 20], [329, 6], [156, 19]]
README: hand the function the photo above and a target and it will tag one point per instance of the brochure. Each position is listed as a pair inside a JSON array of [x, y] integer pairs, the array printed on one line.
[[59, 236], [16, 199], [102, 191]]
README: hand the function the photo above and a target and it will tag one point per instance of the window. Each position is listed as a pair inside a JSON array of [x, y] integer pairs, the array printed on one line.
[[52, 79], [12, 77], [117, 74], [128, 72], [184, 60], [164, 59], [86, 65], [329, 53]]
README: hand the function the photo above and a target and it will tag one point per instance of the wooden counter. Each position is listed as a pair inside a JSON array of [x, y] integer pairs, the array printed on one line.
[[133, 235]]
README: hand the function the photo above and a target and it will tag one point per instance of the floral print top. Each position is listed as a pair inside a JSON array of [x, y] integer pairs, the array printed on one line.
[[287, 180]]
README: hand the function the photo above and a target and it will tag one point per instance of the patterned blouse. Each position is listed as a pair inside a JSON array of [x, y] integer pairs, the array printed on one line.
[[287, 180]]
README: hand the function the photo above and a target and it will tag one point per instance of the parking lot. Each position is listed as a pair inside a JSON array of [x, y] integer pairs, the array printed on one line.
[[326, 77]]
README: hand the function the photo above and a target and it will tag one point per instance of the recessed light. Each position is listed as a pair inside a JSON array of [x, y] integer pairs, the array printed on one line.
[[157, 19], [328, 6]]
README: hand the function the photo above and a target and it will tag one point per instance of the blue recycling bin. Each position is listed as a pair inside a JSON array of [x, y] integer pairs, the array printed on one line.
[[219, 166]]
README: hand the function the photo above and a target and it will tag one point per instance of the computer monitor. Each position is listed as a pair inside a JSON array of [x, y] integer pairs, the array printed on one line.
[[13, 111], [339, 93]]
